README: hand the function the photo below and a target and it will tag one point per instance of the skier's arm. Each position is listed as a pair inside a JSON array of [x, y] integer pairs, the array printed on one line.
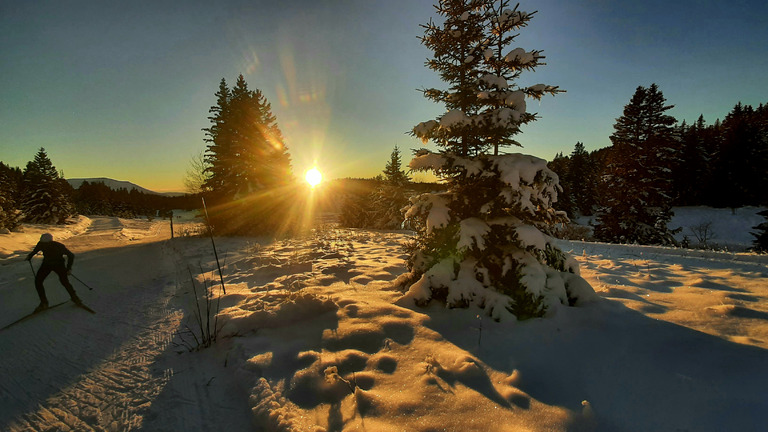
[[70, 258], [34, 251]]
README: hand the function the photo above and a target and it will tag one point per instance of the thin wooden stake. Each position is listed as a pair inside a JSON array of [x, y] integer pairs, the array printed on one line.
[[216, 254]]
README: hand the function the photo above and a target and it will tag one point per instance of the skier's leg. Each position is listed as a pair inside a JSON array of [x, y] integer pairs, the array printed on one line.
[[62, 272], [42, 273]]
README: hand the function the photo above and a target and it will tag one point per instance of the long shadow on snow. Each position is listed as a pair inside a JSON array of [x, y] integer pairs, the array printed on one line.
[[136, 280], [638, 373]]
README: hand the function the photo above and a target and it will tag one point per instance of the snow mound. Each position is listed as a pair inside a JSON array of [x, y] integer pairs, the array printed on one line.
[[23, 240], [273, 310]]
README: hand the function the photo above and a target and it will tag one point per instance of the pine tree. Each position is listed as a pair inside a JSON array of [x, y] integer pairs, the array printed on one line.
[[393, 172], [248, 166], [46, 198], [582, 178], [390, 199], [357, 209], [10, 181], [742, 157], [693, 173], [481, 241], [217, 152], [637, 206], [761, 234], [561, 165]]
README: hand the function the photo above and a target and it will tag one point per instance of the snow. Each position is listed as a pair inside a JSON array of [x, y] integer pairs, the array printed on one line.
[[530, 236], [314, 338], [517, 100], [472, 233], [425, 160], [520, 55], [729, 229], [424, 128], [494, 81], [453, 118], [437, 207], [726, 229], [22, 241]]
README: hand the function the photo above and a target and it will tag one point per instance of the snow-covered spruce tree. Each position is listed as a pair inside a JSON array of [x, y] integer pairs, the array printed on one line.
[[45, 198], [482, 241], [761, 234], [248, 166], [390, 198], [561, 165], [637, 205]]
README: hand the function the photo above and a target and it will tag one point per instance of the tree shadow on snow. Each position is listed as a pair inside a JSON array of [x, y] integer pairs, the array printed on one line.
[[637, 373]]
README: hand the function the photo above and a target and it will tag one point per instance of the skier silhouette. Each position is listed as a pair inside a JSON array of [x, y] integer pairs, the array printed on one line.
[[53, 261]]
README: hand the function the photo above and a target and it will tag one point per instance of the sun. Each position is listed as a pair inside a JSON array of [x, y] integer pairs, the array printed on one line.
[[313, 177]]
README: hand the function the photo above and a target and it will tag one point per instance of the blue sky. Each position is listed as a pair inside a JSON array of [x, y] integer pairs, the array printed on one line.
[[122, 89]]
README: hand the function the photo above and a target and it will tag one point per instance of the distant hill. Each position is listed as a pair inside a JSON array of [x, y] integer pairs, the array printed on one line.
[[118, 184]]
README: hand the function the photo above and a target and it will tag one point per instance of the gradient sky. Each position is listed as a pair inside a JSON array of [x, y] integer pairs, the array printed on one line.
[[121, 89]]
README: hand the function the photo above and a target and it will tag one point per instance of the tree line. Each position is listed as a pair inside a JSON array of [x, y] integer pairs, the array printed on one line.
[[40, 194], [377, 203], [244, 175], [655, 163]]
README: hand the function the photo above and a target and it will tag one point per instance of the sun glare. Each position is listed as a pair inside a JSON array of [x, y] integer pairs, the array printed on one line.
[[313, 177]]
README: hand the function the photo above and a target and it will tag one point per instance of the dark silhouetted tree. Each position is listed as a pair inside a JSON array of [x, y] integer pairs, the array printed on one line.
[[693, 174], [561, 165], [583, 179], [10, 186], [636, 196], [393, 171], [46, 195], [761, 234], [391, 197], [248, 166], [740, 167]]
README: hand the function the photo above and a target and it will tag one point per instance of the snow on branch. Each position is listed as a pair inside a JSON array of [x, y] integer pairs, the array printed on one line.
[[472, 233], [453, 118], [434, 206], [521, 57], [494, 81]]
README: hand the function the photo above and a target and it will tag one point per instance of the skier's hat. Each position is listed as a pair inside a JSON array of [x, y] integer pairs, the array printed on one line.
[[46, 238]]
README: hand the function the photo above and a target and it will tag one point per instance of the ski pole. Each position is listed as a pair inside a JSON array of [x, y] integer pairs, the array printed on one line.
[[32, 268], [78, 279]]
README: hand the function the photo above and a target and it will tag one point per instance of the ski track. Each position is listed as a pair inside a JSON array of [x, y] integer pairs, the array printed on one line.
[[108, 382]]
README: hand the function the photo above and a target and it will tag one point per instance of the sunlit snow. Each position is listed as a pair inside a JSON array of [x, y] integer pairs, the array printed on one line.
[[313, 337]]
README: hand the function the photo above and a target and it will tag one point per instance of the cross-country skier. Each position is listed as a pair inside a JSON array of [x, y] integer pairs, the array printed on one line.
[[53, 261]]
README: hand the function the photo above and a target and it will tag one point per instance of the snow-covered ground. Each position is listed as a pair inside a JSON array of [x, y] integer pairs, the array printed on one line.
[[709, 228], [313, 338]]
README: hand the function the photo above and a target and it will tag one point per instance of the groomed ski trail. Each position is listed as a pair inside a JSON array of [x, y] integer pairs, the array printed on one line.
[[71, 370]]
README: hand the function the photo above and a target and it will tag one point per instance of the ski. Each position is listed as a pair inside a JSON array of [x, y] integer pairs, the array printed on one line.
[[30, 315]]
